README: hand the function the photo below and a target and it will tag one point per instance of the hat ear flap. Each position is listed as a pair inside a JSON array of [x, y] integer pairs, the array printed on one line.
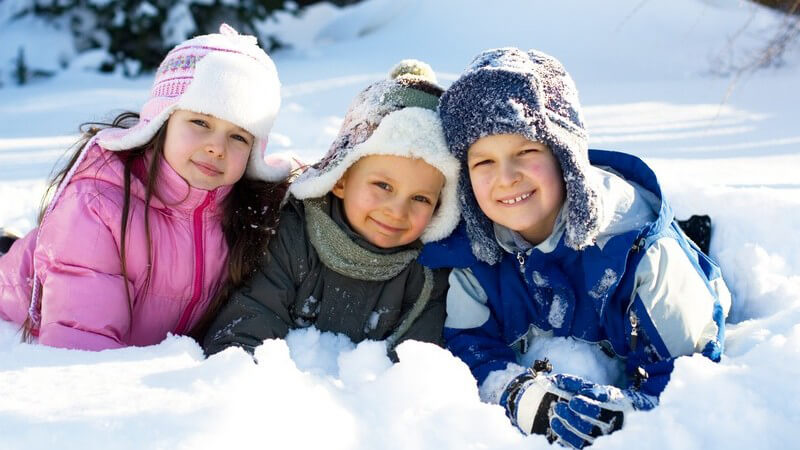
[[273, 167]]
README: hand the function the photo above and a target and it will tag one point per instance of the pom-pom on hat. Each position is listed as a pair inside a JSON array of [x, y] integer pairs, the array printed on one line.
[[226, 75], [510, 91], [396, 116]]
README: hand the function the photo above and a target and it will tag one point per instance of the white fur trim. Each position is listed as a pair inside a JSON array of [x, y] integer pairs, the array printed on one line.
[[410, 132], [235, 88], [272, 166], [120, 139]]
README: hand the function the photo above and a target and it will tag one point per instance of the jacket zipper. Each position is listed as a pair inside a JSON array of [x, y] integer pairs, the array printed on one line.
[[199, 265], [521, 260], [634, 329], [634, 320]]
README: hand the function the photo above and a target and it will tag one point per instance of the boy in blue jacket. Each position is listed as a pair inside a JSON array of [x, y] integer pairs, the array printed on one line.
[[558, 240]]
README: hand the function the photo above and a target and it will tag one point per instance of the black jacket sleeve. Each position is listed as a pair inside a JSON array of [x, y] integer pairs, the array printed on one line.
[[259, 310]]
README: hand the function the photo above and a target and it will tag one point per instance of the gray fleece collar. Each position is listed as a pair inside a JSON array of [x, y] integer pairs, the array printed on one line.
[[513, 242]]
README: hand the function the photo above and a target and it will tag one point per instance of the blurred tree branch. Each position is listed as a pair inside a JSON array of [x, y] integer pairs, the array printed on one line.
[[773, 51]]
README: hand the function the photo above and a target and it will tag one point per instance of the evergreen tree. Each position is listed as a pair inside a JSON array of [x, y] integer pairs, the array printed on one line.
[[137, 33]]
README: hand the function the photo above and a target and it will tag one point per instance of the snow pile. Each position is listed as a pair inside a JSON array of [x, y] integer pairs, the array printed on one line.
[[310, 391]]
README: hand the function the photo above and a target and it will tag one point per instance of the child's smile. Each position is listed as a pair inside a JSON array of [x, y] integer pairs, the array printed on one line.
[[387, 228], [517, 184], [514, 200], [206, 168]]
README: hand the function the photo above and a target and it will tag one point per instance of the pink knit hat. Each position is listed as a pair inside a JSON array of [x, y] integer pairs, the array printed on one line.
[[226, 75]]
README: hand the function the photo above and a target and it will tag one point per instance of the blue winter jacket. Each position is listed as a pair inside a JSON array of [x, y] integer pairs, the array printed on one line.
[[646, 295]]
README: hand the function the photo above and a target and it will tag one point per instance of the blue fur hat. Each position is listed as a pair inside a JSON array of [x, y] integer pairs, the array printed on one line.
[[510, 91]]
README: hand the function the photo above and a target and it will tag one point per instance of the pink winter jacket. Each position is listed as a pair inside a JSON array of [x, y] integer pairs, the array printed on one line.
[[83, 301]]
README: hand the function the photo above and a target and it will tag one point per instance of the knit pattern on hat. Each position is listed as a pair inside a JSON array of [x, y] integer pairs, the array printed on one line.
[[509, 91], [391, 117]]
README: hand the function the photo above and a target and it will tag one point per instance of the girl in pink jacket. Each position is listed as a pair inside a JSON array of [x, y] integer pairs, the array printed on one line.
[[160, 213]]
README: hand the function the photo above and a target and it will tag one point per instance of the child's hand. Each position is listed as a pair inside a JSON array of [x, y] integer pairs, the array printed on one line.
[[529, 399], [594, 411]]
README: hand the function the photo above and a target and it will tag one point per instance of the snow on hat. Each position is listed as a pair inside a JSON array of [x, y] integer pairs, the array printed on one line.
[[510, 91], [396, 116], [226, 75]]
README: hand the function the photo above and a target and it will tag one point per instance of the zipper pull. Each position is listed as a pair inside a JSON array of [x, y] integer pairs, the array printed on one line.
[[634, 330], [521, 259]]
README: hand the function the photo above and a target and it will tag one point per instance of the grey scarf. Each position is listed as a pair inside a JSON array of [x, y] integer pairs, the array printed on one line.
[[339, 253]]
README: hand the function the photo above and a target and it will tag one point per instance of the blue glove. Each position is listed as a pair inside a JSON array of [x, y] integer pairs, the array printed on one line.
[[529, 399], [595, 410]]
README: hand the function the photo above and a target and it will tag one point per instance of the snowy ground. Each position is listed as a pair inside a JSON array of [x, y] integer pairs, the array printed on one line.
[[643, 72]]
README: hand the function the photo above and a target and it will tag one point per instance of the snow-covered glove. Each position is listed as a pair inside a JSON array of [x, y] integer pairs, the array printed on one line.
[[594, 411], [529, 398]]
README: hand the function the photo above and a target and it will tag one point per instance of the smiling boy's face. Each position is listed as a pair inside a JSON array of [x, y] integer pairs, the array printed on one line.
[[389, 200], [517, 183]]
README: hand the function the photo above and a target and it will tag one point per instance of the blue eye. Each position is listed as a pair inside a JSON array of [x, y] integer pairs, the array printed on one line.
[[422, 199], [241, 138], [383, 185]]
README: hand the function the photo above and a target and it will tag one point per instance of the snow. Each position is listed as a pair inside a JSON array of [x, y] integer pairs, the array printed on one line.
[[727, 147], [558, 309]]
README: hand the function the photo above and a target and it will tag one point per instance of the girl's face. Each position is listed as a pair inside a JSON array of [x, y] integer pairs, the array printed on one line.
[[389, 200], [517, 183], [206, 151]]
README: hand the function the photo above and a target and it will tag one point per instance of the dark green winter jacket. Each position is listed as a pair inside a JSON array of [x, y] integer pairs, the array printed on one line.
[[360, 290]]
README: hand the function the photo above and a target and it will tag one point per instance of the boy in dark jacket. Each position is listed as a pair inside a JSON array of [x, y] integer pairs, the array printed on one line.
[[344, 256], [558, 240]]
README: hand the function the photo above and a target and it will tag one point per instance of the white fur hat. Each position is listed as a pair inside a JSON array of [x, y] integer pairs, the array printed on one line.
[[395, 117], [226, 75]]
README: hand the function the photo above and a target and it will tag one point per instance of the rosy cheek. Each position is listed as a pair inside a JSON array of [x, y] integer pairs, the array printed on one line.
[[481, 190], [371, 197], [428, 217], [534, 168], [419, 221]]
